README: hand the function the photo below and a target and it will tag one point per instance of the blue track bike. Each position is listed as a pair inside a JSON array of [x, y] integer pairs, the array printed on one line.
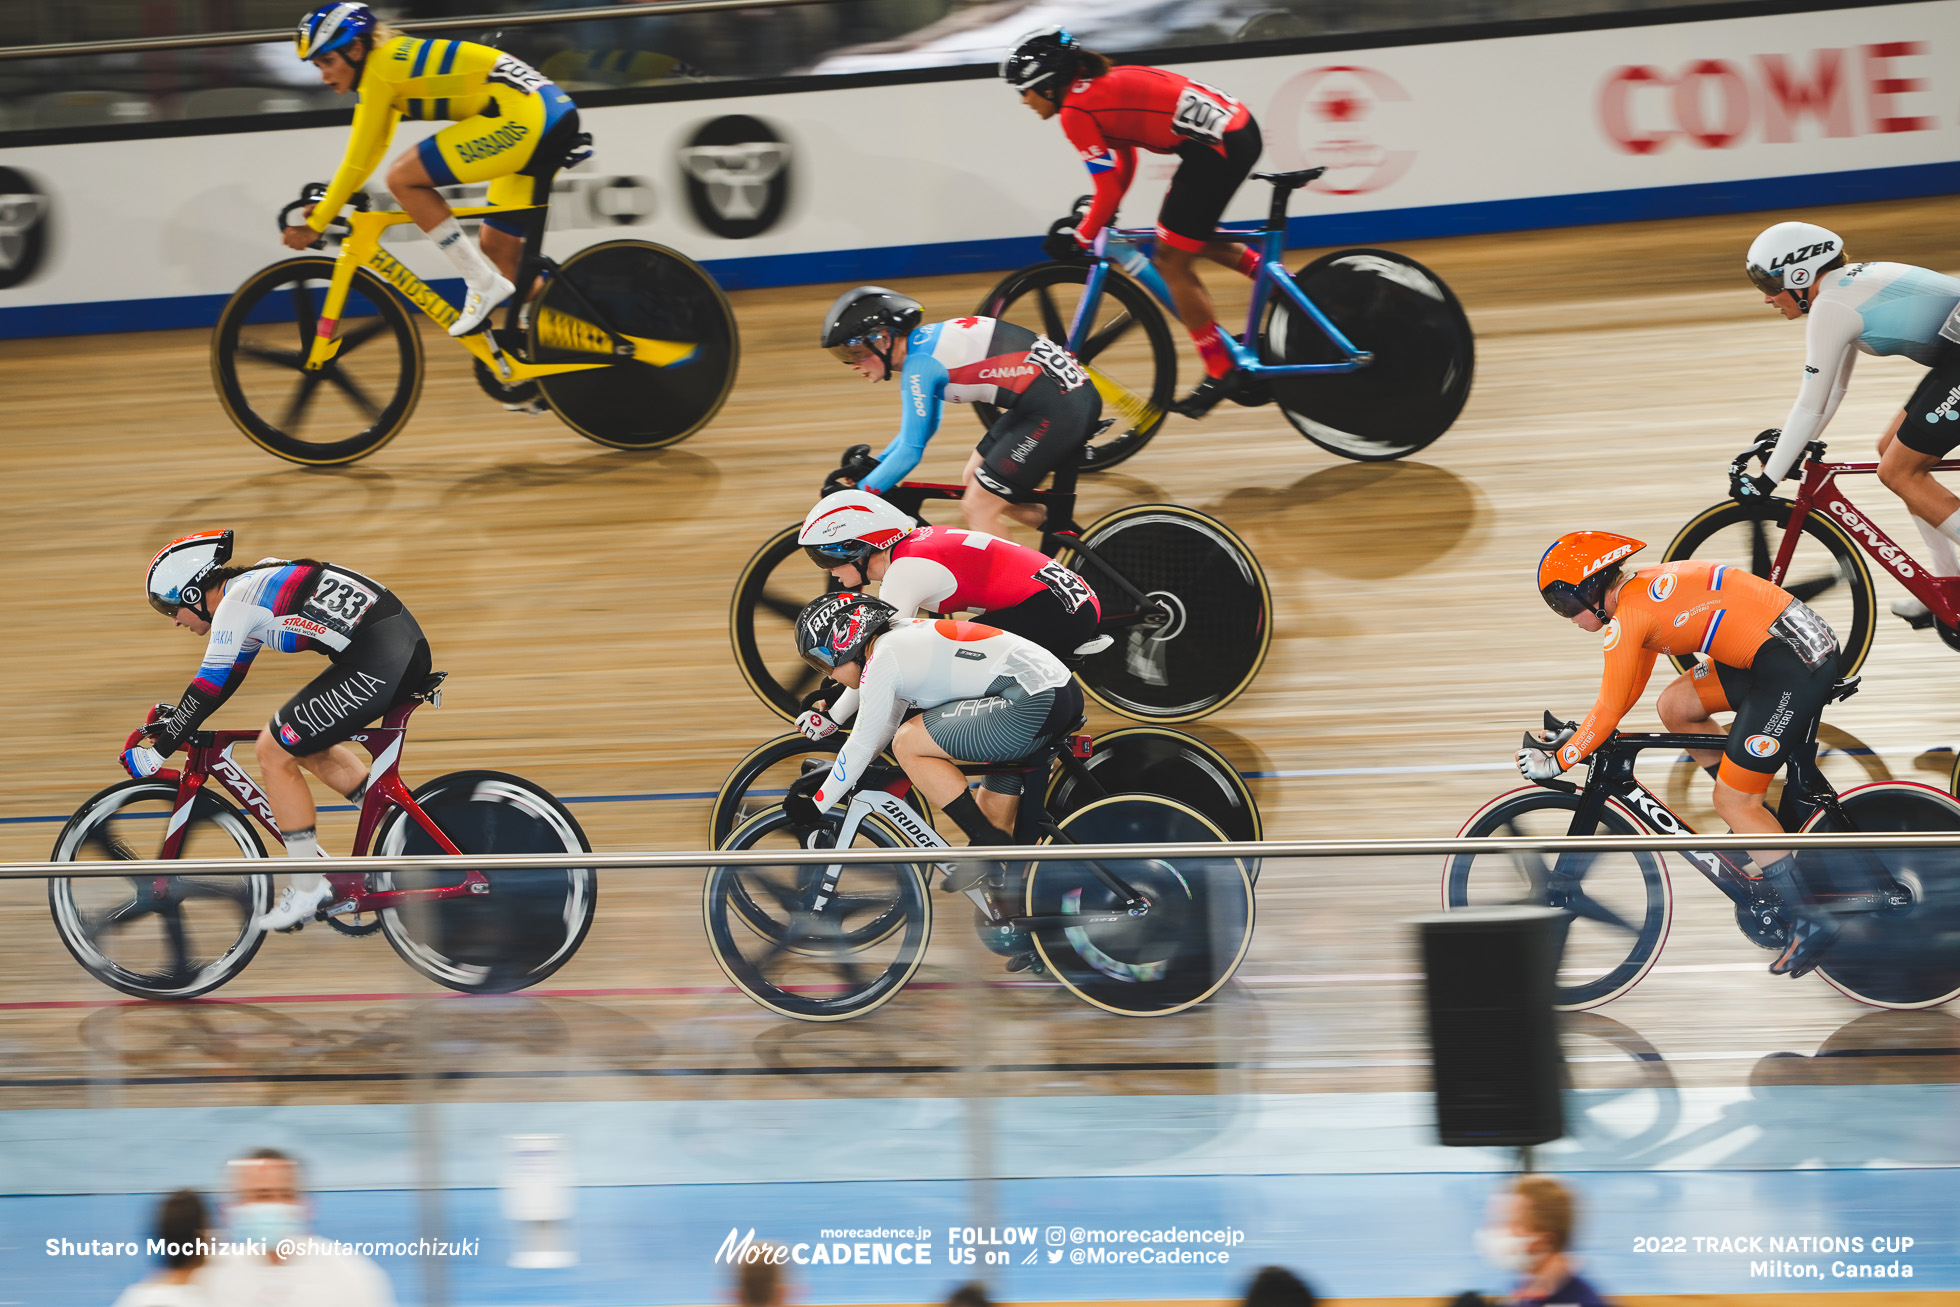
[[1366, 352]]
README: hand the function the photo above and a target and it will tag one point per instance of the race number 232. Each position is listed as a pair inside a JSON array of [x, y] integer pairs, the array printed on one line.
[[1201, 113]]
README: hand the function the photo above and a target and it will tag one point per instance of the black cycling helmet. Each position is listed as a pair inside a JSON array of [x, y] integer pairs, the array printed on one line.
[[835, 629], [1043, 61], [861, 313]]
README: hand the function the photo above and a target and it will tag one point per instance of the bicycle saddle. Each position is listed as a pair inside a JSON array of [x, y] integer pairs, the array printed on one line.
[[1844, 689], [427, 690], [1094, 646], [1289, 181]]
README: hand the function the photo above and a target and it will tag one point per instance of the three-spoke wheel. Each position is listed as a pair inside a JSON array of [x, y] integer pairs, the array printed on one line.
[[528, 923], [1617, 905], [1128, 349], [158, 936], [1827, 571]]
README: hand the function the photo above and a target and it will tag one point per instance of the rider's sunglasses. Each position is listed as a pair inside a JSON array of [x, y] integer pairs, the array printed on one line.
[[819, 660], [837, 555], [852, 352], [1568, 600], [1769, 283]]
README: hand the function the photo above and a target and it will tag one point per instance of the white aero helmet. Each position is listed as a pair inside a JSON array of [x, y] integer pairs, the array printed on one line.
[[851, 525], [177, 572], [1789, 256]]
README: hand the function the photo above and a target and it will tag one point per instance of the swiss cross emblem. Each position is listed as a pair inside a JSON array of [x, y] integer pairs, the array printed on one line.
[[967, 322]]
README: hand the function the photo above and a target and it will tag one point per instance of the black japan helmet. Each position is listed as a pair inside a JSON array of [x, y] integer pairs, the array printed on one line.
[[835, 629]]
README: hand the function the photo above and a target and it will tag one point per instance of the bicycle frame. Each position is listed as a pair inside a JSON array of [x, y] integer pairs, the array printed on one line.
[[1805, 791], [1818, 492], [361, 247], [1272, 276], [210, 756]]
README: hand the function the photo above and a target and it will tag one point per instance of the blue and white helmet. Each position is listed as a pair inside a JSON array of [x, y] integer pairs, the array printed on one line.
[[176, 576], [332, 26]]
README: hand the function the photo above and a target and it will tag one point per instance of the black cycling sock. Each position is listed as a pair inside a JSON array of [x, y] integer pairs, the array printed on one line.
[[979, 830], [358, 793], [1781, 879]]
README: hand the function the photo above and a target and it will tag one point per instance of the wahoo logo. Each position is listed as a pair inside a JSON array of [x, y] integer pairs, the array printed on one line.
[[1760, 746], [1661, 587], [1949, 407]]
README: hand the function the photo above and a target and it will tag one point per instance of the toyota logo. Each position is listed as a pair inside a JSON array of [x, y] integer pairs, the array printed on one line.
[[737, 172], [23, 228]]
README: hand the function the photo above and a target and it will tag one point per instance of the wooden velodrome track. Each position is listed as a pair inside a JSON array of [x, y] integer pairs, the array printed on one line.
[[578, 597]]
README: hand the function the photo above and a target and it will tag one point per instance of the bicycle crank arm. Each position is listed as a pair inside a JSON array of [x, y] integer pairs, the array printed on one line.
[[1063, 922], [1122, 401]]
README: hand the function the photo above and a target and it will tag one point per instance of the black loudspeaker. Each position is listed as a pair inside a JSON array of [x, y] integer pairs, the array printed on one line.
[[1489, 980]]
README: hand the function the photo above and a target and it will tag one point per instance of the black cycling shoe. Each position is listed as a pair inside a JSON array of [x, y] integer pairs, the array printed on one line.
[[1239, 386], [1029, 962], [1811, 934]]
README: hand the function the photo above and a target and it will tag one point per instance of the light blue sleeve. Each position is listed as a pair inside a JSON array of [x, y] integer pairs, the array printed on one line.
[[922, 386]]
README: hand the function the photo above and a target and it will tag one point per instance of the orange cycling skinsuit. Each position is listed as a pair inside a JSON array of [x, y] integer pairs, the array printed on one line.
[[1774, 661], [511, 125]]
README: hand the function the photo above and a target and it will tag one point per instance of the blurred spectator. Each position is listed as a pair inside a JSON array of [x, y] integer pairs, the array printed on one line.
[[759, 1279], [1275, 1286], [268, 1207], [971, 1294], [1529, 1233], [184, 1229]]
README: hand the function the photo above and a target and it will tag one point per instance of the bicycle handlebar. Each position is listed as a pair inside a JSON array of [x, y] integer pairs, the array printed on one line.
[[309, 195]]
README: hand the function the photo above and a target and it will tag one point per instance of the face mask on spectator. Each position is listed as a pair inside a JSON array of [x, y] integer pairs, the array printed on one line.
[[1504, 1249], [269, 1222]]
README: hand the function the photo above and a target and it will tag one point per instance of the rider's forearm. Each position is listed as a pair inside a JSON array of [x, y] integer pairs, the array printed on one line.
[[197, 704], [364, 150], [1799, 429], [845, 708]]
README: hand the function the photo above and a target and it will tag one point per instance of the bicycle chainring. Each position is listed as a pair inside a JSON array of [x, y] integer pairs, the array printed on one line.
[[1762, 924]]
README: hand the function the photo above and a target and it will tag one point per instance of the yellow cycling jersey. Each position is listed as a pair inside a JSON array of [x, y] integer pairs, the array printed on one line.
[[408, 77]]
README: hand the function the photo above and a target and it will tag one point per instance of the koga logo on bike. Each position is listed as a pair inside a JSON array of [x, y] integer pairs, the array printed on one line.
[[1661, 587], [737, 176], [1947, 407], [23, 228], [1656, 814], [1895, 557], [1760, 746]]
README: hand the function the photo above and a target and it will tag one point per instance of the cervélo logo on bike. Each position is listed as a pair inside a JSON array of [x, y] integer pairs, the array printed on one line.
[[1893, 556], [738, 175]]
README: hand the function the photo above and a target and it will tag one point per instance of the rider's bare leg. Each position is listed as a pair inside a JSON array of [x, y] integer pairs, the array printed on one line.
[[1242, 259], [983, 510], [942, 782], [506, 251], [1908, 474], [1193, 305], [409, 182], [1683, 713]]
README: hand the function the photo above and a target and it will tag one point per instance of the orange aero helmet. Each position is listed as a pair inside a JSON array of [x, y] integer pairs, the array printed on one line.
[[1573, 573]]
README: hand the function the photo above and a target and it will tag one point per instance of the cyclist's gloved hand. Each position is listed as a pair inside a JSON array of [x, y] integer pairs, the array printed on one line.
[[815, 725], [1062, 244], [1752, 489], [800, 804], [142, 763], [1538, 764]]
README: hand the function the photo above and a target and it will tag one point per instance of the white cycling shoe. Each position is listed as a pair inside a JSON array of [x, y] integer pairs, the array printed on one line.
[[296, 907], [1916, 614], [479, 305]]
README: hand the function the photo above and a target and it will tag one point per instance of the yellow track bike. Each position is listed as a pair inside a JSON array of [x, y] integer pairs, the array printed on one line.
[[319, 361]]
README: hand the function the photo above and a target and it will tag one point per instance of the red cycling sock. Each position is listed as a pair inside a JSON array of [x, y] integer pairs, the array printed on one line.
[[1212, 352], [1249, 261]]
